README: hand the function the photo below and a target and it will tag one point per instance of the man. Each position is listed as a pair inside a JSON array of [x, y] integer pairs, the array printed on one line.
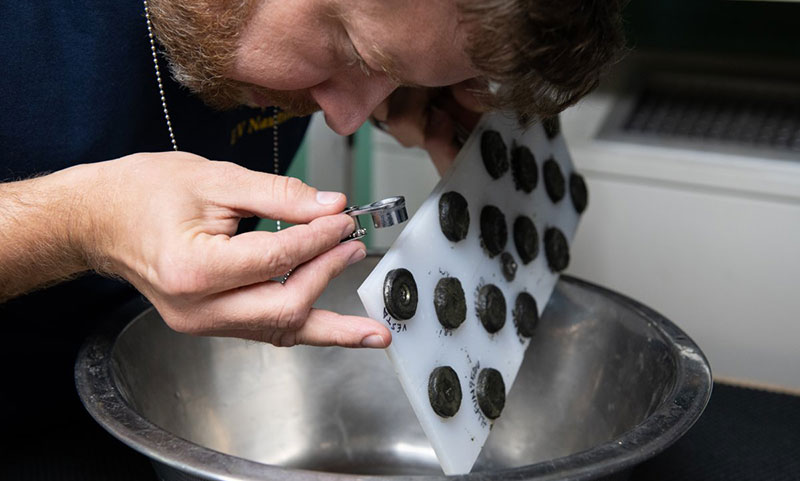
[[82, 104]]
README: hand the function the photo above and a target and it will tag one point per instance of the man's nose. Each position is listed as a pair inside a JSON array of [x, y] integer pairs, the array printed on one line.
[[349, 97]]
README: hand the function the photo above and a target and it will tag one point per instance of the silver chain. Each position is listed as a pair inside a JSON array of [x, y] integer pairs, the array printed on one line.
[[276, 168], [158, 76], [275, 157]]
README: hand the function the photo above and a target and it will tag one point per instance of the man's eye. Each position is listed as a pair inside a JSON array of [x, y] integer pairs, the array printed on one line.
[[359, 60]]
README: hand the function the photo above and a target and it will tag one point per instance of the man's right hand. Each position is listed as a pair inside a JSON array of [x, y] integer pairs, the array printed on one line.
[[432, 118], [166, 222]]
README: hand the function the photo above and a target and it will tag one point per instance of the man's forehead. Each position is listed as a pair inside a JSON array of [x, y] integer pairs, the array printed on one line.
[[411, 38]]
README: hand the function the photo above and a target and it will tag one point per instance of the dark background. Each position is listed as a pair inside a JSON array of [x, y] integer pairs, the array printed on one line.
[[735, 28]]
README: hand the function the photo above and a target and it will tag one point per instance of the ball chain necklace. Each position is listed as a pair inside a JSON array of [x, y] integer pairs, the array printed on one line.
[[154, 52]]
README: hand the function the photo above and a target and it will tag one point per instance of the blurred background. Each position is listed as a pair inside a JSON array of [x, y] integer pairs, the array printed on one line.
[[691, 150]]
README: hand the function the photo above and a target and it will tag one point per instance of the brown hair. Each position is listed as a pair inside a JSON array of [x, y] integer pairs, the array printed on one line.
[[543, 54], [203, 35]]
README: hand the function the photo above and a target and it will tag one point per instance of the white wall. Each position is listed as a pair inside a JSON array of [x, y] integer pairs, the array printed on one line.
[[711, 241]]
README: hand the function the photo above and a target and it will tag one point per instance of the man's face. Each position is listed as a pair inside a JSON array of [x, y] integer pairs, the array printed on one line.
[[347, 56]]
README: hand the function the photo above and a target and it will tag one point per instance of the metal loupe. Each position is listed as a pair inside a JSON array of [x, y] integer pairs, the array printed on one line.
[[385, 213]]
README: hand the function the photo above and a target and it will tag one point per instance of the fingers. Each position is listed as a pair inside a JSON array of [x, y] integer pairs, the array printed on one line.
[[324, 328], [439, 140], [468, 94], [258, 256], [270, 304], [282, 314], [436, 119], [464, 116], [269, 196], [405, 114]]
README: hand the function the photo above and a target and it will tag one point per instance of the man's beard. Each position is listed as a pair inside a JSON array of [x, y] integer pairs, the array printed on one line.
[[298, 103], [200, 38]]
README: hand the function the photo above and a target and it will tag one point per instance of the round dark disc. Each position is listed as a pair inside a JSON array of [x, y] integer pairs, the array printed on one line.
[[453, 216], [578, 192], [556, 249], [508, 266], [523, 168], [444, 391], [449, 302], [494, 153], [553, 180], [491, 308], [525, 314], [491, 392], [552, 126], [526, 239], [493, 230], [400, 294]]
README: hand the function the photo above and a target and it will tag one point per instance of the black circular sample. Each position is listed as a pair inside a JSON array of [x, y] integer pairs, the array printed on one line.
[[453, 216], [508, 265], [491, 308], [449, 302], [494, 153], [444, 391], [552, 126], [556, 249], [553, 180], [526, 239], [525, 314], [400, 294], [523, 168], [491, 392], [493, 230], [578, 192]]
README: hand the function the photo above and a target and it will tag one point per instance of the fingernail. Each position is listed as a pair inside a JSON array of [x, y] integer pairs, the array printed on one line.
[[373, 341], [356, 256], [325, 197], [437, 120]]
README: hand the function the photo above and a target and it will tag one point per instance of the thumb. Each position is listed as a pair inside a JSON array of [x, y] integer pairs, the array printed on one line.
[[439, 134]]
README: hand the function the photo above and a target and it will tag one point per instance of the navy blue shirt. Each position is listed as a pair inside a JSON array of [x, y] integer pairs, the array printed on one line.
[[78, 86]]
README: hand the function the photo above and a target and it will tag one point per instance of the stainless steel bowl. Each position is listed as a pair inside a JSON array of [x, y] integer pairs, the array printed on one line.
[[606, 383]]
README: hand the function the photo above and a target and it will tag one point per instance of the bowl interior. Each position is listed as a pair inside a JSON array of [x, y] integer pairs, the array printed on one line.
[[595, 369]]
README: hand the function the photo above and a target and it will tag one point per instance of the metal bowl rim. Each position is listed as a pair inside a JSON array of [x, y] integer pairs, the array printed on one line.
[[674, 416]]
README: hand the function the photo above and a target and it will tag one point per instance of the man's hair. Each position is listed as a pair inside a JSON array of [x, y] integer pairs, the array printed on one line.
[[544, 55]]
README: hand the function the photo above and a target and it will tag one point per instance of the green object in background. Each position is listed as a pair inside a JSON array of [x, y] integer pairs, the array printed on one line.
[[719, 27]]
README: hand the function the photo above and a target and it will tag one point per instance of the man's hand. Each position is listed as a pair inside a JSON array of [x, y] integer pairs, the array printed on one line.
[[433, 119], [166, 223]]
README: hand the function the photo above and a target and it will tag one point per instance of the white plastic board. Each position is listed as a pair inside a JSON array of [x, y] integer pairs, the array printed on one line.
[[420, 343]]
